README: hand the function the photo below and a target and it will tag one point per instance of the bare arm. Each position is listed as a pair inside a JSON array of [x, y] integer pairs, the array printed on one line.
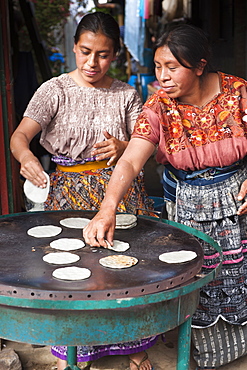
[[31, 168], [129, 165]]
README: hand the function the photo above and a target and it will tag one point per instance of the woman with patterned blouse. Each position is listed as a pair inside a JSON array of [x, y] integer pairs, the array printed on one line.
[[85, 118], [197, 122]]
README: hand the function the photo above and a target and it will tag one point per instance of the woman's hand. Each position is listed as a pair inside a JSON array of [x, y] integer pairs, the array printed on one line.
[[100, 229], [111, 148], [32, 170], [241, 195], [102, 226]]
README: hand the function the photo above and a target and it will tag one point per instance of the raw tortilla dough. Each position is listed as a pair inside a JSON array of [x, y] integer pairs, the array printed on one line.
[[118, 261], [72, 273], [75, 222], [177, 256], [44, 231], [67, 244], [35, 193], [61, 258], [118, 246], [125, 221]]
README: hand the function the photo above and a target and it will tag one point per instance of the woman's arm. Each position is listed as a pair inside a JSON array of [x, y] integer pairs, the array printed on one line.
[[129, 165], [31, 168]]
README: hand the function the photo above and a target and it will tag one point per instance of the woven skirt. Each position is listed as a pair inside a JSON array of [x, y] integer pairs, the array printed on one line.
[[219, 323], [212, 209], [86, 190]]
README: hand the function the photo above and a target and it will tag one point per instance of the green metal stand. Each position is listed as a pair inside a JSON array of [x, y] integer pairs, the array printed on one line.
[[72, 359], [98, 322], [183, 359], [184, 338]]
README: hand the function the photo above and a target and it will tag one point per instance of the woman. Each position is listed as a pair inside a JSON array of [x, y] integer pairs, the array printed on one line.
[[85, 118], [198, 123]]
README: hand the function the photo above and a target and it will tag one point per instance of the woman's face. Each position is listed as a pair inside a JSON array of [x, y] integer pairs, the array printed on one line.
[[94, 53], [177, 81]]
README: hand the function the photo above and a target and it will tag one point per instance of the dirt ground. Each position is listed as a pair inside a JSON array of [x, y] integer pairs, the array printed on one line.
[[162, 355]]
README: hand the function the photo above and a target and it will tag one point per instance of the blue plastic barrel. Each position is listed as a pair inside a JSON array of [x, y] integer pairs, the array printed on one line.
[[145, 79]]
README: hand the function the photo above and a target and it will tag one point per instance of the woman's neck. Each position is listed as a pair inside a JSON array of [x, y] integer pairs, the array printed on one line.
[[208, 88]]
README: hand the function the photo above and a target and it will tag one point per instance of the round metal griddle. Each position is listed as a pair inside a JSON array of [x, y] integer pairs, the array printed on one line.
[[24, 274]]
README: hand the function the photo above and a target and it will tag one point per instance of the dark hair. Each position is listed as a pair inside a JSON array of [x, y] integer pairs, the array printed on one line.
[[99, 22], [188, 44]]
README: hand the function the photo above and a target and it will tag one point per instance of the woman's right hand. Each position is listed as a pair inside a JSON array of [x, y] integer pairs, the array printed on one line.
[[100, 229], [32, 170]]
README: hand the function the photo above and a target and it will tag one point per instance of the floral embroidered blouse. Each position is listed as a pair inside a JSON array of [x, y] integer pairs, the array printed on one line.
[[191, 138]]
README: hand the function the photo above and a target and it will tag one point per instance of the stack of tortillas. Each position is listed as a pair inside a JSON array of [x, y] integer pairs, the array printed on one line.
[[125, 221]]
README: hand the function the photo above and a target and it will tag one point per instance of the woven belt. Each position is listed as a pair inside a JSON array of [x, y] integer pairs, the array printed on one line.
[[84, 167]]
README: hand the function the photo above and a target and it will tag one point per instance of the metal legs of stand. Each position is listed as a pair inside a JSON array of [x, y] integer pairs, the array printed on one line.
[[183, 358], [184, 339], [72, 359]]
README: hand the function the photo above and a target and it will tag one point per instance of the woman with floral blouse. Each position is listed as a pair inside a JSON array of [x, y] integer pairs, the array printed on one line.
[[197, 122]]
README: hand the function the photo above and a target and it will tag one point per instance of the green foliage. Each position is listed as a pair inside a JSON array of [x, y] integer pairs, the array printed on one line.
[[49, 15], [116, 71]]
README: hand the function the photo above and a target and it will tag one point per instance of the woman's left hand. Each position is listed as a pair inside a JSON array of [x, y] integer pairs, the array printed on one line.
[[241, 195], [110, 148]]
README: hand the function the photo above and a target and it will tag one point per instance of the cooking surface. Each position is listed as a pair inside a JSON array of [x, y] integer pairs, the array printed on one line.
[[23, 273]]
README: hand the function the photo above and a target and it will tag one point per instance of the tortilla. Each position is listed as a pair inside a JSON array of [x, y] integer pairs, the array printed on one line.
[[75, 222], [118, 246], [125, 221], [35, 193], [71, 273], [44, 231], [177, 256], [67, 244], [118, 261], [61, 258]]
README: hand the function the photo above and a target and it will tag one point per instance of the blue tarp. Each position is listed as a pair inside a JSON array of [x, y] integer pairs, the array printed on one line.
[[134, 30]]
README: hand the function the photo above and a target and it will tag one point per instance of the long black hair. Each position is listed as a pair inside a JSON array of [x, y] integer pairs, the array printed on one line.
[[188, 44], [99, 22]]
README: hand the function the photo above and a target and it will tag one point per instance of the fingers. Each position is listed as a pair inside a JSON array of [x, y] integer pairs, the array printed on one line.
[[107, 149], [102, 150], [241, 195], [107, 135], [242, 209], [243, 190], [32, 170], [111, 162], [99, 231], [96, 237]]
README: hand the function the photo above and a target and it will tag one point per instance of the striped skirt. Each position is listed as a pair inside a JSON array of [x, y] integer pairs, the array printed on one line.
[[86, 190], [212, 209]]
